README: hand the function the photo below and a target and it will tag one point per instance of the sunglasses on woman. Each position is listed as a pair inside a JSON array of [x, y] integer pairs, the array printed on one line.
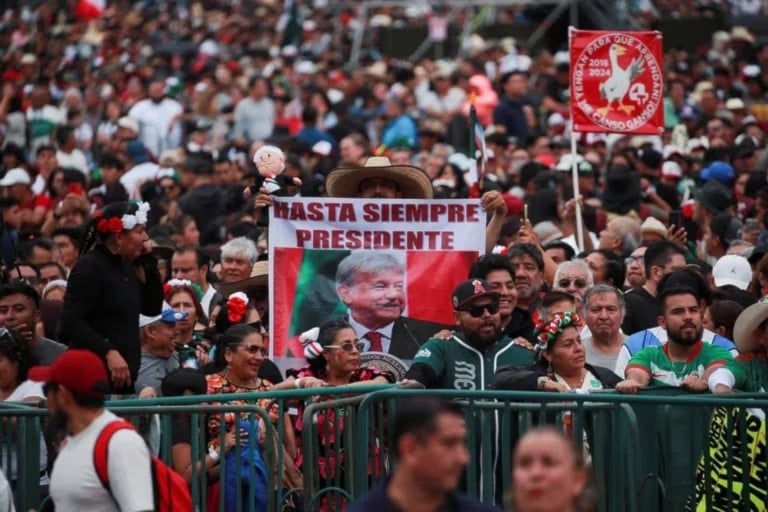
[[346, 347], [478, 311], [255, 349]]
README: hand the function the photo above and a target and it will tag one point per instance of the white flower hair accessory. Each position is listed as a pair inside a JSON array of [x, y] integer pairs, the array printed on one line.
[[312, 348], [139, 218], [179, 282]]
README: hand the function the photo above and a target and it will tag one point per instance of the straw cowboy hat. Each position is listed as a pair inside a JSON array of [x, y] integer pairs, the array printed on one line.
[[746, 323], [162, 249], [412, 182], [257, 281]]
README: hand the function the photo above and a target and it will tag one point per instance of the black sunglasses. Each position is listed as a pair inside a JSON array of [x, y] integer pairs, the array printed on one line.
[[565, 283], [478, 311]]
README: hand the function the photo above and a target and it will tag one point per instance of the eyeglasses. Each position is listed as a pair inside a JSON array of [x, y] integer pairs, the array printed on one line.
[[634, 259], [578, 283], [49, 387], [346, 347], [256, 349], [478, 311]]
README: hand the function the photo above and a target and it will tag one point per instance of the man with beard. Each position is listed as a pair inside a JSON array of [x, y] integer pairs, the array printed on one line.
[[529, 274], [469, 360], [471, 357], [76, 386], [684, 361]]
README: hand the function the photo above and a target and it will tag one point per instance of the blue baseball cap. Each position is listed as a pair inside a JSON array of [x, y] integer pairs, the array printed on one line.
[[720, 171], [168, 316]]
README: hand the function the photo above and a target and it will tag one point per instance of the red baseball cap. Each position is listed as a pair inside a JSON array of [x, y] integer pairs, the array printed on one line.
[[77, 370]]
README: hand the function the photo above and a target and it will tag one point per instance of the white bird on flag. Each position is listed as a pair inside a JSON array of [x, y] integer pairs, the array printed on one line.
[[616, 87]]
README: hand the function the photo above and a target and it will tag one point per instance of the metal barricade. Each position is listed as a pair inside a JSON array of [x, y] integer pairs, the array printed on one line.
[[662, 450], [607, 432]]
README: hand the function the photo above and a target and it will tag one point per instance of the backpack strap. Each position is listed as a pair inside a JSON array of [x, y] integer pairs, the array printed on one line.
[[101, 450]]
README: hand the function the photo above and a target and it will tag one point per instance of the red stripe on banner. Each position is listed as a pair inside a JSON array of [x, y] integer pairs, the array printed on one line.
[[432, 276], [285, 272]]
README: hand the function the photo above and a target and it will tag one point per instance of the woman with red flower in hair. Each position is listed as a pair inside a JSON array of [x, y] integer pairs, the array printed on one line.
[[238, 309], [114, 281], [244, 351]]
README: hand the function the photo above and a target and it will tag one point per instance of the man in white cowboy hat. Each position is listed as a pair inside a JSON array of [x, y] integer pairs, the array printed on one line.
[[378, 178], [749, 370]]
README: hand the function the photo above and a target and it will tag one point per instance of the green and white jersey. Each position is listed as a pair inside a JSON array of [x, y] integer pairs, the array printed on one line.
[[750, 372], [663, 372], [459, 365]]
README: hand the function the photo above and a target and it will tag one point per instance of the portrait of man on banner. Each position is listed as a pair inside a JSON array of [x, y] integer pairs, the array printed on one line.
[[389, 297], [371, 284]]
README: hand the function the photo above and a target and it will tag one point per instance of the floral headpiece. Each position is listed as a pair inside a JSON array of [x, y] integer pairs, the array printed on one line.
[[125, 223], [237, 305], [170, 285], [547, 331]]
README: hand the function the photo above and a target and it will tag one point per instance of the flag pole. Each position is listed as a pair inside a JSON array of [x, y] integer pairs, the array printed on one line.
[[574, 163], [575, 180], [476, 188]]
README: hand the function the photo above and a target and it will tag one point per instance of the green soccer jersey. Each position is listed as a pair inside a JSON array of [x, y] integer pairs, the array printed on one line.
[[459, 365], [750, 371], [655, 361]]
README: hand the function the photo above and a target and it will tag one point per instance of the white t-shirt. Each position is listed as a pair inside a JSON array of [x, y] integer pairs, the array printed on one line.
[[75, 486], [25, 391], [6, 495]]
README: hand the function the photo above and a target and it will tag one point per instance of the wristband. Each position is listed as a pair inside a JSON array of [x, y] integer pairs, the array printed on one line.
[[213, 454], [297, 383], [721, 376]]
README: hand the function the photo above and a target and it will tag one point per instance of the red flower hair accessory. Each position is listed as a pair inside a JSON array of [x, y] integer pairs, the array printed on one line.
[[111, 225], [237, 304]]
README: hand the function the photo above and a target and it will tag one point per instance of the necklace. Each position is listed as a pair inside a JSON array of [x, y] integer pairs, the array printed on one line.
[[574, 383]]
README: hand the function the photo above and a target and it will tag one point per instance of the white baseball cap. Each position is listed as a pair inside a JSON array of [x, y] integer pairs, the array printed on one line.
[[17, 176], [732, 269]]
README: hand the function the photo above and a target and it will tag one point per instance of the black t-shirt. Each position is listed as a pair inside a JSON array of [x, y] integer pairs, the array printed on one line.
[[642, 311]]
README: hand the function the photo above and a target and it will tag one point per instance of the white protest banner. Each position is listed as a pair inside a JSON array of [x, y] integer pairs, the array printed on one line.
[[390, 265]]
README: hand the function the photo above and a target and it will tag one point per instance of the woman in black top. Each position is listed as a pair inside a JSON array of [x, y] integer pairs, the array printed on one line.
[[109, 287]]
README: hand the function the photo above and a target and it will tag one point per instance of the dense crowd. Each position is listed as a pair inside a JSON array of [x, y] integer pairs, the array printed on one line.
[[134, 207]]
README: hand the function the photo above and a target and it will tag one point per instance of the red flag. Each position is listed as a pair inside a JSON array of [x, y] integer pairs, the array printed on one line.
[[616, 82]]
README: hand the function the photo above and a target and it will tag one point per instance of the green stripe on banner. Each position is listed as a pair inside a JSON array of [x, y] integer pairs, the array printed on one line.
[[316, 300]]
